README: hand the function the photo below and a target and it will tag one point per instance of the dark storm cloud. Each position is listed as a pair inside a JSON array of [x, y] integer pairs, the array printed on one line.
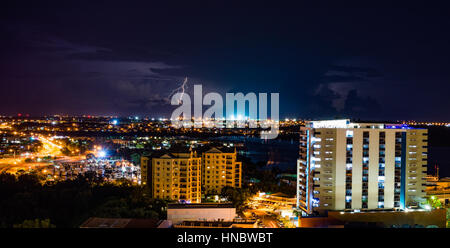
[[354, 70], [350, 91], [377, 62], [362, 107], [350, 74], [82, 79]]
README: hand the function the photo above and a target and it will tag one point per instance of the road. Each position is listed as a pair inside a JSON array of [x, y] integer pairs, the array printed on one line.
[[49, 148], [266, 219], [13, 168]]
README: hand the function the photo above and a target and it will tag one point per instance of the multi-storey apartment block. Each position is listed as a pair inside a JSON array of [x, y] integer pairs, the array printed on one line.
[[219, 169], [181, 175], [360, 166], [175, 176]]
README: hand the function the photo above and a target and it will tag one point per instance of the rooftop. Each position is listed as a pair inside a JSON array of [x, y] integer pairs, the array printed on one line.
[[215, 149], [346, 123], [213, 223], [184, 152], [95, 222], [444, 179], [199, 205]]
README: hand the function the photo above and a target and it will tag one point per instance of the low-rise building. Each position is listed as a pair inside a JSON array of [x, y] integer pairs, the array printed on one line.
[[177, 213], [218, 224], [382, 219], [95, 222], [440, 188]]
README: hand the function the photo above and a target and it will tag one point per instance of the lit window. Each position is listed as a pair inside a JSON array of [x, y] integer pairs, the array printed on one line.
[[349, 133]]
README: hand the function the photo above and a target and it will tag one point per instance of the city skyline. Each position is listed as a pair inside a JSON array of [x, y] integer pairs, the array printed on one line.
[[218, 123], [365, 63]]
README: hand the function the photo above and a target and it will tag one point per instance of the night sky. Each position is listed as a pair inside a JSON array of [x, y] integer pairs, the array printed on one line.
[[369, 62]]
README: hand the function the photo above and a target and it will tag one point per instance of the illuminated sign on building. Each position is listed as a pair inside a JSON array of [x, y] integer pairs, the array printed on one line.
[[331, 124]]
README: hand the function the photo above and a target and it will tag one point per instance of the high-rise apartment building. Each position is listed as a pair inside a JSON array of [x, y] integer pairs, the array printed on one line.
[[360, 166], [181, 175], [175, 176], [220, 168]]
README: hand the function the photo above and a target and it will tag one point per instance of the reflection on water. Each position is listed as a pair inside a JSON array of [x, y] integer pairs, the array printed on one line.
[[284, 153], [280, 153]]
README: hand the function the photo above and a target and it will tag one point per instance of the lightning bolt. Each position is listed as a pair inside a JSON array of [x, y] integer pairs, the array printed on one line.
[[180, 89]]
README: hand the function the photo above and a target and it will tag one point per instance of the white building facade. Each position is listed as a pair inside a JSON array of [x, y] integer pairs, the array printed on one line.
[[360, 166]]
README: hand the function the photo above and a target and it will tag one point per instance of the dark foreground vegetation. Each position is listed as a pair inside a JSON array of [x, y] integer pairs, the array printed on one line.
[[26, 202]]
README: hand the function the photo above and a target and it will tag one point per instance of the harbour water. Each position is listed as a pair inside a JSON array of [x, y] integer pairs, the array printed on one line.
[[274, 153], [284, 153]]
